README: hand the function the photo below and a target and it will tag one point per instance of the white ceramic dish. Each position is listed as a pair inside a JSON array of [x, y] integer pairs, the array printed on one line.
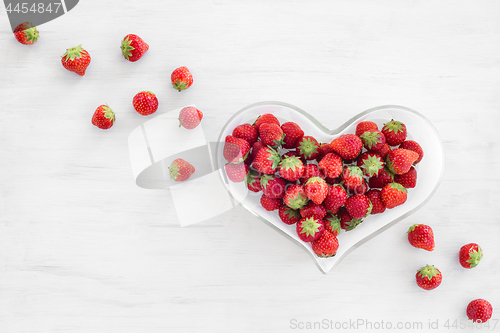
[[429, 170]]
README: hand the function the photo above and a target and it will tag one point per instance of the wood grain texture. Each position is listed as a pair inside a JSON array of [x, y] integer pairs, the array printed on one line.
[[83, 249]]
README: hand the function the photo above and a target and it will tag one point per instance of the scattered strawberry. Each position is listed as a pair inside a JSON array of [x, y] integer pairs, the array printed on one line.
[[270, 204], [271, 134], [331, 165], [246, 132], [291, 168], [324, 149], [190, 117], [326, 245], [133, 47], [236, 172], [371, 163], [180, 170], [273, 187], [76, 59], [292, 133], [308, 148], [365, 126], [428, 277], [470, 255], [103, 117], [295, 196], [346, 221], [393, 194], [288, 216], [253, 181], [358, 206], [235, 149], [311, 170], [26, 33], [348, 146], [373, 140], [145, 103], [332, 223], [265, 118], [181, 78], [376, 200], [384, 177], [316, 189], [312, 209], [310, 229], [267, 160], [421, 236], [351, 177], [255, 148], [479, 310], [394, 132], [400, 160], [335, 198], [408, 180], [385, 150], [413, 146]]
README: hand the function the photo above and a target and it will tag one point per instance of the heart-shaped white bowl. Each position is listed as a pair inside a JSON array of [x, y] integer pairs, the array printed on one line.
[[430, 169]]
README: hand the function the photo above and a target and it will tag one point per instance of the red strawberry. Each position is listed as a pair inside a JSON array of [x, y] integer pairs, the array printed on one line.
[[180, 170], [190, 117], [348, 146], [385, 150], [479, 310], [361, 189], [133, 47], [413, 146], [271, 134], [310, 229], [292, 133], [376, 200], [331, 165], [428, 277], [365, 126], [470, 255], [26, 33], [335, 198], [246, 132], [291, 168], [324, 148], [373, 140], [394, 132], [384, 177], [311, 170], [346, 221], [326, 246], [295, 196], [103, 117], [236, 172], [235, 149], [253, 181], [312, 209], [358, 206], [332, 223], [408, 180], [267, 160], [265, 118], [255, 148], [145, 102], [273, 187], [288, 216], [351, 177], [76, 59], [270, 204], [308, 148], [316, 189], [400, 160], [371, 163], [393, 194], [181, 78], [421, 236]]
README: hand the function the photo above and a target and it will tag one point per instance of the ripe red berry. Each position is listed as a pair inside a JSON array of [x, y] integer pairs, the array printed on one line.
[[133, 47], [428, 277], [181, 78], [470, 255], [421, 236], [190, 117], [103, 117], [479, 310], [145, 103]]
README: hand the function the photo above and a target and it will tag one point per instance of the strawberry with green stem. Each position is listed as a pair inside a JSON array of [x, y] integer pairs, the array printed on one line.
[[421, 236], [400, 160], [316, 189], [180, 170], [271, 135], [326, 245], [428, 277], [291, 168], [351, 177], [373, 140], [267, 160], [393, 195], [26, 33], [76, 59], [272, 187], [288, 216], [365, 126], [371, 163], [133, 47], [253, 181], [346, 221], [181, 78], [332, 223], [311, 170], [395, 132], [308, 148], [309, 229], [470, 255], [295, 196], [103, 117]]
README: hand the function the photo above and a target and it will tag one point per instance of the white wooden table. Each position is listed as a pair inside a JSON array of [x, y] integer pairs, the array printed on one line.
[[83, 249]]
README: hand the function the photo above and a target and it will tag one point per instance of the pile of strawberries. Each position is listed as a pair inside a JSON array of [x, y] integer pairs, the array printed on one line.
[[323, 187]]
